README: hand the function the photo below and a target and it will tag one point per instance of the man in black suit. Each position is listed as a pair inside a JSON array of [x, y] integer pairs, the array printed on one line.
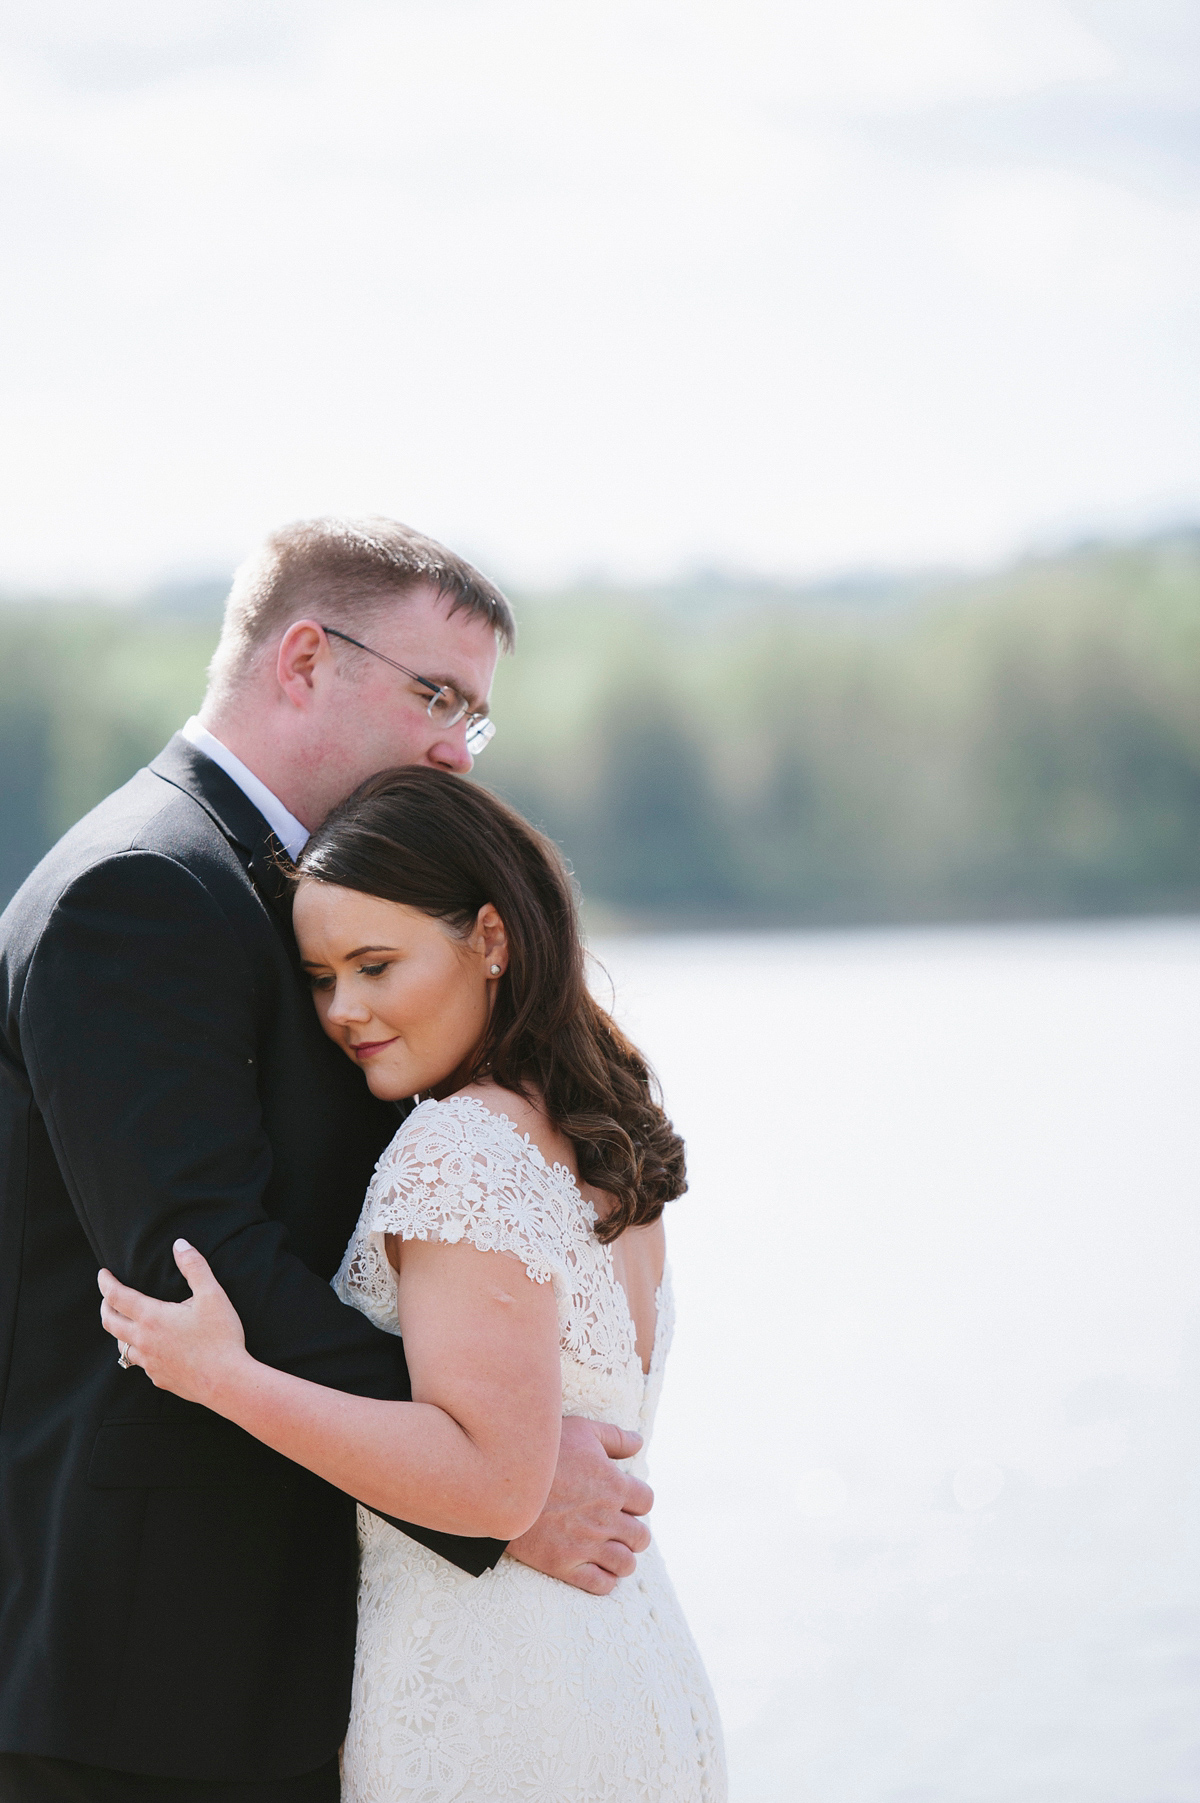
[[176, 1601]]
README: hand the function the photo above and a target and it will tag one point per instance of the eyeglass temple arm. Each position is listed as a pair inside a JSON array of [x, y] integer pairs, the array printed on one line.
[[426, 682]]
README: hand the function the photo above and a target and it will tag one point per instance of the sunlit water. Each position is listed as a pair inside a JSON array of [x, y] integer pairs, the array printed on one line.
[[928, 1461]]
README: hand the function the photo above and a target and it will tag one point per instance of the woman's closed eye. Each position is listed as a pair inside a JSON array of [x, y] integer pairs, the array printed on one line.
[[323, 980]]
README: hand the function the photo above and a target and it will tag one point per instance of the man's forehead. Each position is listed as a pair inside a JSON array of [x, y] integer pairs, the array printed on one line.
[[428, 614], [420, 630]]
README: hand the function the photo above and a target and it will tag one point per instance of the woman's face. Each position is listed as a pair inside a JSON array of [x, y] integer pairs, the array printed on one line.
[[404, 996]]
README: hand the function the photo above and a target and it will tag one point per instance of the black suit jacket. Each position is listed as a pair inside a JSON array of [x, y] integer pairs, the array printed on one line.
[[174, 1597]]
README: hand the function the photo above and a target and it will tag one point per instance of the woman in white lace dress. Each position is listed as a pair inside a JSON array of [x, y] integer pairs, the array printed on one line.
[[513, 1233]]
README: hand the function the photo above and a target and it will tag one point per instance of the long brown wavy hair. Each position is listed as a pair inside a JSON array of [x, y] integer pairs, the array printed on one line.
[[433, 842]]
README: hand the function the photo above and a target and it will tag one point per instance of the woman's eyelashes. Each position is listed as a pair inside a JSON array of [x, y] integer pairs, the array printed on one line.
[[323, 980]]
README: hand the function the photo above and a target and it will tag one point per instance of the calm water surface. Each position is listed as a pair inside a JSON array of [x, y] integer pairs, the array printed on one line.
[[928, 1460]]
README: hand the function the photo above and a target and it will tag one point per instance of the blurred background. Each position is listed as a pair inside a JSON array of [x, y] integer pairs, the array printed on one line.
[[821, 381]]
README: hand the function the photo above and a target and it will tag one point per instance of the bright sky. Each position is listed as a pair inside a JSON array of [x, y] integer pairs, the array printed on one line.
[[634, 285]]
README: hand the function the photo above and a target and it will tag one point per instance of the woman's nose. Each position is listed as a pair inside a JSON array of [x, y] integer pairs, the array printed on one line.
[[345, 1008]]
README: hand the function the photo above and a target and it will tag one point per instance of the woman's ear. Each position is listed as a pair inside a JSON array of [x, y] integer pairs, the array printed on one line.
[[491, 940]]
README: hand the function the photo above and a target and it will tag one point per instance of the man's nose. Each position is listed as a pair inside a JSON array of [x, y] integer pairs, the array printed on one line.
[[450, 752]]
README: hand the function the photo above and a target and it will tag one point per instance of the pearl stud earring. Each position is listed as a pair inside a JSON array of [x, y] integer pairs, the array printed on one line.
[[495, 970]]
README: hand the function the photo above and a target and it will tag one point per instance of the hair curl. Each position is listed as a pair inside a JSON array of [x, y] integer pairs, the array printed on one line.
[[433, 842]]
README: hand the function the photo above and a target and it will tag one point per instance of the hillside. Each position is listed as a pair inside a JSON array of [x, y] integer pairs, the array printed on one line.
[[1016, 746]]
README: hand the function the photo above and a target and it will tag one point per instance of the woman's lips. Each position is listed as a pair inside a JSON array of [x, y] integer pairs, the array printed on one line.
[[369, 1047]]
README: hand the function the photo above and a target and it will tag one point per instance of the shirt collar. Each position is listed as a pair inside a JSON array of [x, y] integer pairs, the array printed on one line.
[[287, 829]]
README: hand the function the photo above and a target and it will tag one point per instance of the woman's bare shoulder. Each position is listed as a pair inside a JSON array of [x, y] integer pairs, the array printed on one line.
[[527, 1117], [500, 1101]]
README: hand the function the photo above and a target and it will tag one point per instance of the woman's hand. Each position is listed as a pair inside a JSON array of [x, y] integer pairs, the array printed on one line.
[[186, 1347]]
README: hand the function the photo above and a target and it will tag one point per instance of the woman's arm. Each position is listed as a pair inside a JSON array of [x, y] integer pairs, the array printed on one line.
[[473, 1453]]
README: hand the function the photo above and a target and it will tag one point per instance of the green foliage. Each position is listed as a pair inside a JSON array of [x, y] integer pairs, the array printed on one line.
[[1020, 746], [1025, 745], [87, 695]]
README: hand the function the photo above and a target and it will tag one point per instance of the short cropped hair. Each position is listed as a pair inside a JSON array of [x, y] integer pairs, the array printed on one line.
[[346, 571]]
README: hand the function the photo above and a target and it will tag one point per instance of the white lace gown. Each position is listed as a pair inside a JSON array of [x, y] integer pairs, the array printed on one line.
[[512, 1685]]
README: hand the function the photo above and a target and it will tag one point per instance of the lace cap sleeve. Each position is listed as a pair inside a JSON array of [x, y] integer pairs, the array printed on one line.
[[455, 1171]]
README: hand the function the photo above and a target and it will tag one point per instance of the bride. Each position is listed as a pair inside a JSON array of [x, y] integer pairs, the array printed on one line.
[[513, 1234]]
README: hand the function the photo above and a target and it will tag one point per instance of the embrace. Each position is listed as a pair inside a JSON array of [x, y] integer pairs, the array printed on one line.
[[336, 1489]]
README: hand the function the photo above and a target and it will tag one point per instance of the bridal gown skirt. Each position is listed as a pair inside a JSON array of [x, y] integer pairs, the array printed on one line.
[[514, 1686]]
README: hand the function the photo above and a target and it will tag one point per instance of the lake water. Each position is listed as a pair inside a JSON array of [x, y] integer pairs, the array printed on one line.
[[928, 1460]]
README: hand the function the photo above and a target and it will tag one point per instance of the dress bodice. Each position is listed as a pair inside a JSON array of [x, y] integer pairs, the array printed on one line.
[[457, 1171]]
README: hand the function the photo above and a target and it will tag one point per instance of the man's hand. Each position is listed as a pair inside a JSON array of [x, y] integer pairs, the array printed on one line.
[[589, 1534]]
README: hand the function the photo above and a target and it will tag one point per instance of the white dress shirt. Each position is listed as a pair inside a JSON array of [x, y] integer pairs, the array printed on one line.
[[286, 828]]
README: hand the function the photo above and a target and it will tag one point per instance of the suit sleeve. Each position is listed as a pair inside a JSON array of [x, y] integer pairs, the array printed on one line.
[[137, 1021]]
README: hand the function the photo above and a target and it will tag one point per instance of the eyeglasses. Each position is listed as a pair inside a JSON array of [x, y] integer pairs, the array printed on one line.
[[446, 707]]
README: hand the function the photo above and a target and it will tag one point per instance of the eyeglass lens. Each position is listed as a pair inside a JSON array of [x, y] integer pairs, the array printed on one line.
[[448, 707]]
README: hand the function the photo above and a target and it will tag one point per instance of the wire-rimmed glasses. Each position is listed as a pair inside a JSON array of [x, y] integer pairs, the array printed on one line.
[[446, 707]]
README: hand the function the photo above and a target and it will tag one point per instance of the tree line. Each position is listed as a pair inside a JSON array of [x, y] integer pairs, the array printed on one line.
[[1022, 745]]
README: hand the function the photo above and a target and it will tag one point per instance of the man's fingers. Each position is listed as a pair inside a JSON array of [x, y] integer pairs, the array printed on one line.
[[634, 1534], [589, 1534], [617, 1559], [616, 1441], [592, 1579], [639, 1499]]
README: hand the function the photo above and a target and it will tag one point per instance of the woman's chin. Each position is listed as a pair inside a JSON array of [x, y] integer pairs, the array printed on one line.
[[396, 1080], [398, 1086], [388, 1086]]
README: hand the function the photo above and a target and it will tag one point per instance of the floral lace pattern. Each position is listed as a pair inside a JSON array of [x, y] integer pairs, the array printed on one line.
[[511, 1685]]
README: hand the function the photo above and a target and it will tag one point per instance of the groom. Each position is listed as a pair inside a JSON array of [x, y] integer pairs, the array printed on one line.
[[176, 1601]]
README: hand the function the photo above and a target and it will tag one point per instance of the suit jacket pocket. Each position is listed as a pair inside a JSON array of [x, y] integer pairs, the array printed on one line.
[[181, 1455]]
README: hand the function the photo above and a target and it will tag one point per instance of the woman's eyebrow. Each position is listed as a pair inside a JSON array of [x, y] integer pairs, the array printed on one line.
[[320, 963]]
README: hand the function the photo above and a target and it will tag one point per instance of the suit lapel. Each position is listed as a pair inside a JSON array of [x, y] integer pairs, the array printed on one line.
[[238, 820], [268, 870]]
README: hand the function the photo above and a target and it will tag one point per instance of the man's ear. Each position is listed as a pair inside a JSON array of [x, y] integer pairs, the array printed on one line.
[[304, 652]]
